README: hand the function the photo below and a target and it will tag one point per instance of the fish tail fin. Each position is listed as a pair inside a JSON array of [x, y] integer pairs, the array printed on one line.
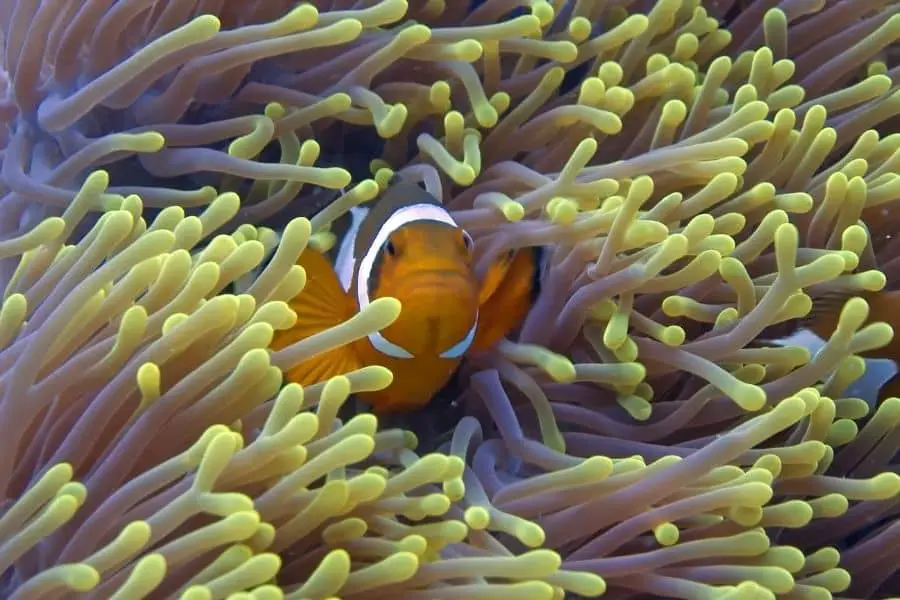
[[321, 305]]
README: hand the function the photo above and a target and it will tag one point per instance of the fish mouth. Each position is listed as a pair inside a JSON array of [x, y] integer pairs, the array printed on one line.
[[441, 308], [439, 284]]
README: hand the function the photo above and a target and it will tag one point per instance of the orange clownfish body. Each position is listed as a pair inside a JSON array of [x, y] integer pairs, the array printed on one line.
[[884, 307], [407, 246]]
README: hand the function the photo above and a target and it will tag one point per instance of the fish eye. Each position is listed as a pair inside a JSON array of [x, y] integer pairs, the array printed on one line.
[[390, 248]]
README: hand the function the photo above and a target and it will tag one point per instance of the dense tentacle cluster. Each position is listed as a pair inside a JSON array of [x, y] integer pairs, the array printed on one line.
[[151, 450], [695, 183]]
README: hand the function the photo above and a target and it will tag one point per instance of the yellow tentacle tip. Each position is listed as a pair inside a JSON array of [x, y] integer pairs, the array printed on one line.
[[666, 534], [477, 517]]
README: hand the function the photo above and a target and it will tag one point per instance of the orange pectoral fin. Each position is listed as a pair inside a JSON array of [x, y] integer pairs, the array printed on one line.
[[508, 304], [321, 305], [495, 277]]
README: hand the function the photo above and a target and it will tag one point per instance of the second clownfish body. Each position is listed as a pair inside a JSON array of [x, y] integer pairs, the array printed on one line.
[[883, 307], [407, 246]]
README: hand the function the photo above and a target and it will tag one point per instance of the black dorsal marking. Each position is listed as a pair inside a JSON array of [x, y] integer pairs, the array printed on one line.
[[399, 194], [537, 253]]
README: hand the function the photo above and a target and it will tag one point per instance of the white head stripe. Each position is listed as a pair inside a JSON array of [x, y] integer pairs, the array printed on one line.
[[344, 264], [402, 216], [460, 348]]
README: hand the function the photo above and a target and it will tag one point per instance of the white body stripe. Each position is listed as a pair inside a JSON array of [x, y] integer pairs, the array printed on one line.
[[462, 346], [344, 263], [387, 347]]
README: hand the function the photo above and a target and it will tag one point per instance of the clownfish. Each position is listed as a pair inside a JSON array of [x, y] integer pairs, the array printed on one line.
[[883, 307], [407, 246]]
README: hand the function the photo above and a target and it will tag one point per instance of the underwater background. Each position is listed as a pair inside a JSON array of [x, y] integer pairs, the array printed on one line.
[[661, 426]]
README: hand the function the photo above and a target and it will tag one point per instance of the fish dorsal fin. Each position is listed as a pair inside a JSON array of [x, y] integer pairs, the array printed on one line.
[[321, 305]]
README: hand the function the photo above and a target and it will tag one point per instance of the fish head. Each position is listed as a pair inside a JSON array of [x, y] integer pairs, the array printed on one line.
[[427, 266], [409, 247]]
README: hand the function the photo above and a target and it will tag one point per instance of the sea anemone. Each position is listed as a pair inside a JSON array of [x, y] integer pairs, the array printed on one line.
[[696, 181]]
